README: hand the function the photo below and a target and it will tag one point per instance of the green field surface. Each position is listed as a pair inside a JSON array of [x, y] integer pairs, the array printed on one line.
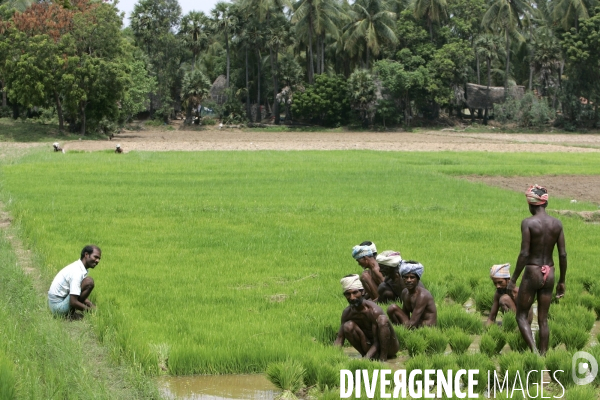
[[222, 262]]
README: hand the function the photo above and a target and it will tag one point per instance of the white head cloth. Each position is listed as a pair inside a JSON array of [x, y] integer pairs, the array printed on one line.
[[118, 146], [55, 144], [411, 267], [389, 258], [351, 282], [500, 271], [373, 248]]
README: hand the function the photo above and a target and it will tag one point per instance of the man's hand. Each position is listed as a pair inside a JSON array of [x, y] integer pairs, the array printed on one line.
[[560, 290], [90, 304]]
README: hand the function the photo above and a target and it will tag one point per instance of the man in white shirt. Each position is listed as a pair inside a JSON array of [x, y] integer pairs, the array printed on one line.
[[71, 287]]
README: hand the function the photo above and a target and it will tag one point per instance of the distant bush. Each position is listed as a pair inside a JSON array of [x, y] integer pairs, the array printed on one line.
[[209, 121], [528, 112], [326, 102]]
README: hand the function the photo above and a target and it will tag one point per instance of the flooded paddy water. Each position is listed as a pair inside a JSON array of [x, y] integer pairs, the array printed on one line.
[[217, 387]]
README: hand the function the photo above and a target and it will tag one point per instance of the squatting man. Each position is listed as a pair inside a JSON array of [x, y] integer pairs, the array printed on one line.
[[71, 287]]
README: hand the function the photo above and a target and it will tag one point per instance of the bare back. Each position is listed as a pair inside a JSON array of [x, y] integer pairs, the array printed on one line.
[[543, 232]]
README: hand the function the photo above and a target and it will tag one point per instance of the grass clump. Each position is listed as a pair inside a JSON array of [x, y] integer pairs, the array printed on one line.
[[487, 345], [516, 342], [509, 322], [583, 392], [435, 339], [454, 316], [7, 379], [415, 344], [480, 362], [458, 340], [402, 333], [558, 360], [484, 297], [498, 335], [521, 363], [420, 361], [574, 338], [459, 291], [287, 375], [438, 291]]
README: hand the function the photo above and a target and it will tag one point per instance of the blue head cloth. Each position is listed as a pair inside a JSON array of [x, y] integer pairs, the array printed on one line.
[[359, 251]]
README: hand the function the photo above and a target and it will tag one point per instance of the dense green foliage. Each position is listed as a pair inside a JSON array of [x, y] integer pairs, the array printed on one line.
[[421, 54]]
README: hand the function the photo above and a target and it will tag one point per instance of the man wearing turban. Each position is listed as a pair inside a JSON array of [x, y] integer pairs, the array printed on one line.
[[418, 305], [371, 278], [365, 325], [540, 233], [393, 285], [504, 300]]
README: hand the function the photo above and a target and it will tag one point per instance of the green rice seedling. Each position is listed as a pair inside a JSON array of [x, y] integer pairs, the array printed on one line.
[[575, 338], [287, 375], [455, 316], [589, 301], [573, 315], [484, 297], [401, 333], [556, 334], [474, 282], [595, 352], [583, 392], [459, 291], [509, 322], [438, 290], [415, 344], [479, 362], [7, 380], [444, 362], [458, 340], [420, 361], [521, 363], [487, 345], [515, 341], [498, 335], [435, 339], [558, 360]]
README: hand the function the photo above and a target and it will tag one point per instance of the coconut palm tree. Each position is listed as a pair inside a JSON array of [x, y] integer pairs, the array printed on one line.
[[488, 47], [224, 20], [194, 88], [567, 13], [433, 10], [506, 17], [371, 26]]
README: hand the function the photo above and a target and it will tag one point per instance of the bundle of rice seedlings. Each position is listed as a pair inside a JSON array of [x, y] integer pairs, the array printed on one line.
[[438, 291], [459, 291], [7, 379], [590, 302], [479, 362], [556, 334], [583, 392], [415, 344], [575, 338], [328, 376], [595, 352], [516, 342], [455, 316], [512, 362], [458, 340], [420, 361], [499, 337], [287, 376], [445, 362], [401, 333], [573, 315], [487, 345], [558, 360], [509, 322], [484, 297], [435, 339]]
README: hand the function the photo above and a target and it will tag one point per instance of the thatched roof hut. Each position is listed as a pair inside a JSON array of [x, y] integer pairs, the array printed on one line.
[[477, 96], [217, 91]]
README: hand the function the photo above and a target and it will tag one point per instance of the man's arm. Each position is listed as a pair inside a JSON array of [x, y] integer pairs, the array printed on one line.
[[523, 255], [375, 332], [562, 262], [418, 310], [376, 274], [76, 304], [494, 311], [339, 340]]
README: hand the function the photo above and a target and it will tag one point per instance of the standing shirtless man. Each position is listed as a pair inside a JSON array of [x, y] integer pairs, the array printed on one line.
[[540, 233]]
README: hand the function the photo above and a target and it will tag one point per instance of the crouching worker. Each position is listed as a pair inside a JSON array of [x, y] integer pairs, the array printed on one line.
[[418, 306], [371, 278], [71, 287], [504, 299], [365, 325]]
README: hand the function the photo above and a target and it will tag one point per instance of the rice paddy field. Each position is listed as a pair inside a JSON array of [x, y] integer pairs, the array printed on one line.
[[229, 262]]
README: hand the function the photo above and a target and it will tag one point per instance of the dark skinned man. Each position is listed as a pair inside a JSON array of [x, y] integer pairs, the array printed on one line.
[[504, 300], [418, 306], [539, 234], [371, 278], [365, 325]]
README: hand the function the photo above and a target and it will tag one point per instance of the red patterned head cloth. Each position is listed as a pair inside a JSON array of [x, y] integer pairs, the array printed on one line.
[[536, 195]]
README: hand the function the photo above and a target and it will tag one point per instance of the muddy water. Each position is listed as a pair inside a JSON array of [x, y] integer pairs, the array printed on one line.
[[217, 387]]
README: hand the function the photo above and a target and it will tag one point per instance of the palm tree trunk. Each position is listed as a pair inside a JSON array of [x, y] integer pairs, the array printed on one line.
[[274, 68], [323, 54], [4, 101], [59, 111], [228, 58], [530, 77], [258, 112], [487, 94], [507, 65], [311, 71], [248, 112], [82, 109], [318, 54], [478, 75]]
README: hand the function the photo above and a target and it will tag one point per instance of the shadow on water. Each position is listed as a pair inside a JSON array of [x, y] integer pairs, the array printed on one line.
[[217, 387]]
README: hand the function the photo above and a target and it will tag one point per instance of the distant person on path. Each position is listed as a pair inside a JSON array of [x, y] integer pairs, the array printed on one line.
[[118, 149], [539, 234], [418, 305], [371, 277], [365, 325], [71, 287], [57, 147], [504, 300]]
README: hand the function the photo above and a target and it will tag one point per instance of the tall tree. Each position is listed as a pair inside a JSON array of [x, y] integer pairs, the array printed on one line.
[[193, 31], [434, 11], [224, 20], [568, 13]]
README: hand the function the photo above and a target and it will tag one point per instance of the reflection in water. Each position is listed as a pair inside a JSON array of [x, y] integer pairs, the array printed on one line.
[[217, 387]]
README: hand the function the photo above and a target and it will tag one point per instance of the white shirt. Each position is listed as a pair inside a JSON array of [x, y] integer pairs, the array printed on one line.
[[68, 281]]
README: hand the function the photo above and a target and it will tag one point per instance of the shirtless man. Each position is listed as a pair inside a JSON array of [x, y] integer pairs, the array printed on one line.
[[540, 233], [365, 325], [118, 149], [418, 306], [393, 285], [371, 277], [504, 300]]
